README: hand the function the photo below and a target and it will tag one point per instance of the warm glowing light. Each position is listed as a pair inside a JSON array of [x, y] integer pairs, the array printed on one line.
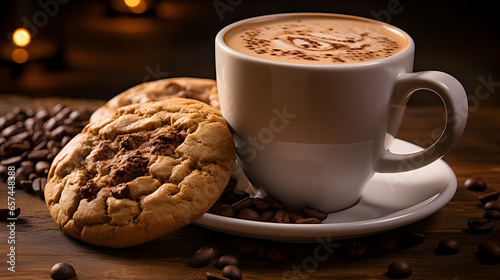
[[137, 6], [21, 37], [132, 3], [20, 56]]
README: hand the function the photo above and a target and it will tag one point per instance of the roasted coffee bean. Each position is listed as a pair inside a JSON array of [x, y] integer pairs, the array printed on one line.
[[61, 271], [492, 214], [20, 137], [448, 247], [38, 155], [232, 272], [294, 216], [50, 124], [7, 120], [311, 220], [29, 124], [246, 202], [42, 114], [205, 255], [488, 197], [63, 113], [411, 237], [38, 185], [492, 205], [58, 132], [65, 140], [266, 215], [51, 144], [240, 194], [228, 260], [18, 148], [5, 214], [226, 210], [11, 130], [57, 108], [475, 184], [355, 249], [260, 204], [314, 213], [37, 138], [248, 214], [28, 164], [41, 146], [399, 269], [480, 225], [276, 255], [37, 126], [42, 168], [75, 115], [281, 216], [489, 252], [13, 160], [215, 276], [275, 204]]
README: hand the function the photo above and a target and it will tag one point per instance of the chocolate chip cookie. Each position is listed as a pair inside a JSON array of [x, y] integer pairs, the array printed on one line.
[[194, 88], [147, 170]]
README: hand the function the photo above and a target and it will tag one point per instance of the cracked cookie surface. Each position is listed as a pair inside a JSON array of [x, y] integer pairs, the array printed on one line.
[[204, 90], [147, 170]]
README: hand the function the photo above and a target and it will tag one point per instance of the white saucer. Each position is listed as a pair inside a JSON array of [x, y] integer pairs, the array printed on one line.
[[388, 201]]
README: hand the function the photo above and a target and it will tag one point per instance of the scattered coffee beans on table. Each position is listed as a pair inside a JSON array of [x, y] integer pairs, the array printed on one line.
[[62, 271], [228, 260], [475, 184], [480, 225], [492, 205], [492, 196], [205, 255], [448, 247], [30, 140], [489, 252], [232, 272], [399, 269]]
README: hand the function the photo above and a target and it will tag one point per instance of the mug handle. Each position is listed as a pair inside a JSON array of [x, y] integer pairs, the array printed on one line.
[[455, 102]]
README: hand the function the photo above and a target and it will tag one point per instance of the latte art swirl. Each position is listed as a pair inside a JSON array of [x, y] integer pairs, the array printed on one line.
[[312, 43], [316, 40]]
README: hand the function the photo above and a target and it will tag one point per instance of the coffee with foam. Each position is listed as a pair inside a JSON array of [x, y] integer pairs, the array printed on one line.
[[317, 40]]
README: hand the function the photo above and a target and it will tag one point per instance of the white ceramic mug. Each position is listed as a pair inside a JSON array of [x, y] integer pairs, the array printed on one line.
[[313, 135]]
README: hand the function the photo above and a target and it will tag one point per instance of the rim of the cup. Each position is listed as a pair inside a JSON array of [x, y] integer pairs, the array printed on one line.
[[219, 40]]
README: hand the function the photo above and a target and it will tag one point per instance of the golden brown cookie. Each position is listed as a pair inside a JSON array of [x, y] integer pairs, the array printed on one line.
[[204, 90], [147, 170]]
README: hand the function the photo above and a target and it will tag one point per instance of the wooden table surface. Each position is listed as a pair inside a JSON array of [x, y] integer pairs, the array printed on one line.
[[40, 243]]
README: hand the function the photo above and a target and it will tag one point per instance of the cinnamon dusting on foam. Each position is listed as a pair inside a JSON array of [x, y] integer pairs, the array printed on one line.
[[315, 40]]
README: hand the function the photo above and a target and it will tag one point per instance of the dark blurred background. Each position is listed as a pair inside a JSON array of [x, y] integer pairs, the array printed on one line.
[[96, 49]]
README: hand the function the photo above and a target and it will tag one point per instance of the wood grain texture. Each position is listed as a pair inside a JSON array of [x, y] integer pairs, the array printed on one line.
[[40, 244]]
